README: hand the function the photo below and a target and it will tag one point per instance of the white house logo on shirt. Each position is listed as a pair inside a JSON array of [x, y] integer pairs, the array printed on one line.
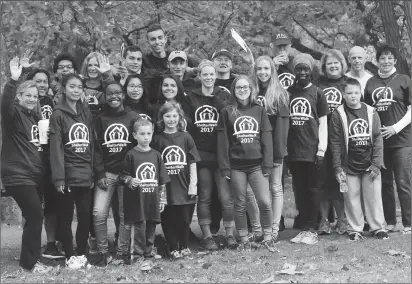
[[174, 158], [300, 107], [206, 118], [246, 128], [381, 100], [46, 111], [79, 137], [145, 116], [261, 100], [116, 137], [286, 80], [146, 173], [359, 131], [35, 137], [333, 98]]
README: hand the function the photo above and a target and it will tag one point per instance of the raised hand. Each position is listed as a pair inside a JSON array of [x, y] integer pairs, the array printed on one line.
[[25, 60], [104, 64], [15, 68]]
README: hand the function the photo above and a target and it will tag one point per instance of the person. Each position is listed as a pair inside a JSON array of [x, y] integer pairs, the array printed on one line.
[[113, 129], [281, 46], [307, 143], [144, 177], [389, 93], [332, 82], [357, 59], [137, 97], [22, 162], [275, 99], [207, 102], [245, 155], [180, 156], [357, 157], [222, 59], [130, 63], [71, 159], [63, 64], [177, 63]]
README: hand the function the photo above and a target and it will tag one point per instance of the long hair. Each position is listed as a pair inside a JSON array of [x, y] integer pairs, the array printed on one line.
[[144, 100], [338, 55], [252, 97], [83, 70], [275, 95], [180, 96], [168, 107]]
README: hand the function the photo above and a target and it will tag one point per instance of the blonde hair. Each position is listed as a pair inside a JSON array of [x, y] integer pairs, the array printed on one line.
[[275, 94], [91, 55], [338, 55], [141, 122], [205, 63], [168, 107], [23, 87]]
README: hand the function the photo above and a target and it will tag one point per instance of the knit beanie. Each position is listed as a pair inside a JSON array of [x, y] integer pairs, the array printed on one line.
[[305, 59]]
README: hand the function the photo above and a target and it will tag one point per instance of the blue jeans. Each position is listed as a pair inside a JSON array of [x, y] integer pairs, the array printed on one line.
[[102, 201], [276, 190], [260, 185], [398, 162]]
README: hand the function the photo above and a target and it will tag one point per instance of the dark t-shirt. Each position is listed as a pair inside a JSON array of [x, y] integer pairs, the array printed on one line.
[[286, 76], [306, 106], [142, 203], [359, 144], [333, 90], [178, 152]]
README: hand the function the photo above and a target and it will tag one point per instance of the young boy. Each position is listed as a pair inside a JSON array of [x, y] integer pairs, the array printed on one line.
[[357, 156], [144, 194]]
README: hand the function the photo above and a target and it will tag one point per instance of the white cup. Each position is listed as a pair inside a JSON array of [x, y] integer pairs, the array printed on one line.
[[44, 131]]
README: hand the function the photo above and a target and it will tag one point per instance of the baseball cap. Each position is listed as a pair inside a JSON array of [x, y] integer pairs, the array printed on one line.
[[177, 54], [222, 52], [279, 38]]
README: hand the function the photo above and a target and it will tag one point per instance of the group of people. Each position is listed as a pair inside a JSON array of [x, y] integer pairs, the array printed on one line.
[[158, 133]]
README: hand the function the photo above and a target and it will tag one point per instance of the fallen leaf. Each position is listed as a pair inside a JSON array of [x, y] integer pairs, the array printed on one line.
[[121, 278], [289, 269], [268, 280], [310, 266], [397, 253], [345, 267], [202, 252], [332, 248]]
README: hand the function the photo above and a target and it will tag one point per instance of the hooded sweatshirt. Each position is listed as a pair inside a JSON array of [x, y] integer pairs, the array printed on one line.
[[206, 110], [22, 155], [113, 140], [244, 139], [95, 94], [71, 145]]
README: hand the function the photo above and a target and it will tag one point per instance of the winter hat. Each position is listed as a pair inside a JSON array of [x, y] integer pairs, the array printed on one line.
[[305, 59]]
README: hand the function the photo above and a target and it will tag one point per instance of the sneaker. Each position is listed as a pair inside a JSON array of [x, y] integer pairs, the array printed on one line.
[[271, 245], [310, 238], [76, 262], [282, 224], [392, 228], [93, 246], [185, 252], [41, 268], [381, 235], [244, 246], [299, 237], [121, 259], [210, 244], [153, 254], [255, 238], [341, 227], [355, 236], [231, 242], [136, 258], [406, 231], [324, 227], [175, 255], [102, 260], [51, 252]]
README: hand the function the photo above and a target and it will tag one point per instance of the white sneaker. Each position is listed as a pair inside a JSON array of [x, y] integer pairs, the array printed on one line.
[[185, 252], [41, 268], [310, 238], [406, 230], [76, 262], [299, 237]]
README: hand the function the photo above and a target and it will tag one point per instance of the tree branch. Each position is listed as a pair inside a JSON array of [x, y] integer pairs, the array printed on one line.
[[312, 35], [174, 14], [302, 48], [140, 28]]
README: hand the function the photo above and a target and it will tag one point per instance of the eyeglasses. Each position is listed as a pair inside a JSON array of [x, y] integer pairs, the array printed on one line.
[[242, 88], [61, 67], [117, 93], [135, 87]]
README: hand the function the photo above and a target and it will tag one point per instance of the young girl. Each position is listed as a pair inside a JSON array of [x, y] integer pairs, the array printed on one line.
[[71, 155], [180, 155], [275, 99], [136, 96], [245, 155], [307, 143], [144, 177]]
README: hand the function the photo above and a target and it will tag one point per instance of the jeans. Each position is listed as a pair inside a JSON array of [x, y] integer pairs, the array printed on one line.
[[260, 185], [102, 201], [144, 236], [276, 190], [80, 196], [398, 162], [252, 210], [28, 199]]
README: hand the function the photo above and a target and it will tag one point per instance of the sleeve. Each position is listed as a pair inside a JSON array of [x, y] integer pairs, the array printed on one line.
[[223, 142], [98, 150], [56, 150], [193, 155], [193, 178], [335, 140], [266, 143], [323, 111], [367, 95], [321, 104], [163, 176], [7, 102], [106, 78], [280, 135], [406, 119], [124, 176], [377, 151]]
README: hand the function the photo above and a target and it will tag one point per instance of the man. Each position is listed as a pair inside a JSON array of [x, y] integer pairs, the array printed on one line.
[[222, 59], [177, 64], [132, 59], [357, 60], [63, 64], [280, 45]]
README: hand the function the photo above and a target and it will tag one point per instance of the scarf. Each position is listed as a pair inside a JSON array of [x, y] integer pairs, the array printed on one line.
[[384, 76]]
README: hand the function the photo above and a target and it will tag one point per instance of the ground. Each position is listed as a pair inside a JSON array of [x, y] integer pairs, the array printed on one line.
[[333, 259]]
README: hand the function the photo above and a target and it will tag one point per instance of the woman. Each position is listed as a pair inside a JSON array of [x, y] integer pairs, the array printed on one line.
[[137, 97], [275, 99], [332, 82], [22, 161], [71, 162]]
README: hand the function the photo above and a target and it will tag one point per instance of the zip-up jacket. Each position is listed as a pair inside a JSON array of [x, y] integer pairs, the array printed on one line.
[[244, 139], [22, 154], [114, 139], [71, 145], [339, 139]]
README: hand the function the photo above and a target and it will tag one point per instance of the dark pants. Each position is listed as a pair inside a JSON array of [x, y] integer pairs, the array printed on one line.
[[216, 212], [81, 196], [29, 201], [92, 232], [115, 212], [398, 163], [176, 221], [307, 195]]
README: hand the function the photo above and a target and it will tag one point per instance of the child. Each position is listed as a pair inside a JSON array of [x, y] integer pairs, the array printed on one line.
[[245, 155], [180, 155], [357, 153], [144, 194]]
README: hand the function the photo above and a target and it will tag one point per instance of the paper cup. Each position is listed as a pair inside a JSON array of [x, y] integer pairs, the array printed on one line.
[[44, 131]]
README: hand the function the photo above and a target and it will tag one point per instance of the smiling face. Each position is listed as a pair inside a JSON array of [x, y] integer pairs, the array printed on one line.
[[135, 89], [114, 96], [333, 67], [302, 73], [222, 63], [73, 89], [42, 83], [64, 67], [171, 119], [169, 89], [386, 62], [352, 96], [178, 67], [157, 41], [133, 61], [263, 71], [91, 67], [208, 76], [357, 60], [28, 99], [242, 91]]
